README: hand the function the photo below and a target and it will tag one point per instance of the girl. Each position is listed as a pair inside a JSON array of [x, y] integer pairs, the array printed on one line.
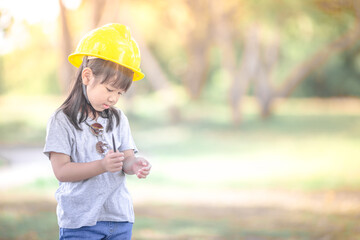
[[89, 141]]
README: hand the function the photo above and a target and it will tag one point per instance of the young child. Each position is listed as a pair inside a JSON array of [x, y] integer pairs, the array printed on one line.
[[93, 200]]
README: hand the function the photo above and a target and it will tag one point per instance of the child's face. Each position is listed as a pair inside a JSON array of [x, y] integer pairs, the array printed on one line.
[[102, 96]]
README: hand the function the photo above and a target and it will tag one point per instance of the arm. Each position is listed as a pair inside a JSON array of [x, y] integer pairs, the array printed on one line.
[[67, 171], [135, 165]]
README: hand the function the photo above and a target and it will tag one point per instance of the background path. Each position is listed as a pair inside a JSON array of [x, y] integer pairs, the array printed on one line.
[[25, 164]]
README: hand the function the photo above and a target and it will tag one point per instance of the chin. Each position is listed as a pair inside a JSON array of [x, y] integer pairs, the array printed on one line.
[[99, 109]]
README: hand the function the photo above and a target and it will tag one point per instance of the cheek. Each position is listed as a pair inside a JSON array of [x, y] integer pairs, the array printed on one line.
[[95, 95]]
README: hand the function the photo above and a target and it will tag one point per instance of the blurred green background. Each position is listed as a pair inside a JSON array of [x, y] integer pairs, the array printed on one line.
[[249, 113]]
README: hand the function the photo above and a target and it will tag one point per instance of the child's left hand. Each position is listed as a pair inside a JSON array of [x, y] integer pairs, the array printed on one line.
[[141, 167]]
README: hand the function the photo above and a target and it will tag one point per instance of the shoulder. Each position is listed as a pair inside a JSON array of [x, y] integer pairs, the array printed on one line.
[[122, 118], [58, 115], [119, 113], [59, 118]]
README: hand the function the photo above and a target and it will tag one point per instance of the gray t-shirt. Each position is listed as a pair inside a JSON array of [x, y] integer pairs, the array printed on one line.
[[101, 198]]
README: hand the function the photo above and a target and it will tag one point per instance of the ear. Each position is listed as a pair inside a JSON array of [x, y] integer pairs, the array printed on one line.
[[87, 75]]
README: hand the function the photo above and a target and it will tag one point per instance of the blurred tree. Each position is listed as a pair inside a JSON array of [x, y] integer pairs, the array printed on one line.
[[197, 44], [66, 71], [340, 44], [260, 54], [339, 77], [263, 47], [257, 63], [224, 37]]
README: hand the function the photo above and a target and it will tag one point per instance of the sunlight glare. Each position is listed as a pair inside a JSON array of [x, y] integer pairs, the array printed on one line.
[[42, 12], [32, 11], [72, 4]]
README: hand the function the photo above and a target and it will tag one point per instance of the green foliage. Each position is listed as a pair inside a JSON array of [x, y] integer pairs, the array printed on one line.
[[303, 27], [339, 77]]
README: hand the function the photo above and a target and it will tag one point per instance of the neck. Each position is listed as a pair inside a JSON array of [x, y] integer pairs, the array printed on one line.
[[92, 113], [94, 117]]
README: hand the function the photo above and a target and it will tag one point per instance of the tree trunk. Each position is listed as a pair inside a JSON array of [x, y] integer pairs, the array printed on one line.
[[198, 48], [151, 67], [198, 66], [98, 12], [66, 73], [246, 72], [263, 89]]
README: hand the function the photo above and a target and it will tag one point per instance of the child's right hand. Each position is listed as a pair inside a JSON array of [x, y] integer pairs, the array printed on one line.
[[113, 161]]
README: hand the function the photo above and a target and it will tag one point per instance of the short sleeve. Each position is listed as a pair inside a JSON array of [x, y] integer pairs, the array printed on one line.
[[127, 141], [59, 137]]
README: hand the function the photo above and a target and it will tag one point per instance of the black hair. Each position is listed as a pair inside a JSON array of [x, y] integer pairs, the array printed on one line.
[[77, 108]]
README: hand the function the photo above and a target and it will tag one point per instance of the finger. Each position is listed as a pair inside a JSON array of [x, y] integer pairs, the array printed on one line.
[[146, 168], [110, 152], [116, 158], [144, 172], [118, 165], [116, 169], [117, 155], [139, 175]]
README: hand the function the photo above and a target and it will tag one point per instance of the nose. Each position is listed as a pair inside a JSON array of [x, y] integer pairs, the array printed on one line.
[[113, 98]]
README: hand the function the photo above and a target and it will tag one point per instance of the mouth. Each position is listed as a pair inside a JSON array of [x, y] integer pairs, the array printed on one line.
[[106, 106]]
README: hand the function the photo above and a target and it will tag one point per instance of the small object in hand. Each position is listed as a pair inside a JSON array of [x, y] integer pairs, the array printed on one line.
[[113, 140]]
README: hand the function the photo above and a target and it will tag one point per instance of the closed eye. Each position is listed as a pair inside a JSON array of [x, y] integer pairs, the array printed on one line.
[[109, 90]]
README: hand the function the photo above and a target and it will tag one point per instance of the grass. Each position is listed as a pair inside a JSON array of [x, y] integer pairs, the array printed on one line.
[[41, 225], [303, 146], [24, 221], [3, 162], [308, 146]]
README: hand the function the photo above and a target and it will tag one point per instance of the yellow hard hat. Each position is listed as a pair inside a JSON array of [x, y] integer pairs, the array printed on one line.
[[112, 42]]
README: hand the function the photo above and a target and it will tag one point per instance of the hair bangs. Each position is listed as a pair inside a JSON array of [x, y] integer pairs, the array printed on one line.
[[121, 78], [112, 73]]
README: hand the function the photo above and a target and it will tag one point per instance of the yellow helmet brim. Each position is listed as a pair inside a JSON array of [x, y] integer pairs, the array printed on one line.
[[76, 60]]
